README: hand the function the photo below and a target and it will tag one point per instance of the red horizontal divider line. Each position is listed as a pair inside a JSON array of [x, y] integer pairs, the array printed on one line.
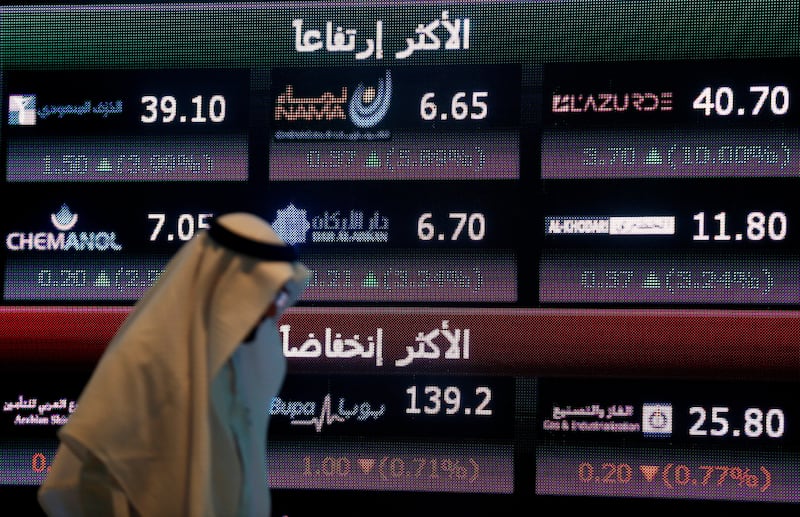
[[626, 342]]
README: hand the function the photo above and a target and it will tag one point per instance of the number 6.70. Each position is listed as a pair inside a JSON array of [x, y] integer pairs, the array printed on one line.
[[474, 223]]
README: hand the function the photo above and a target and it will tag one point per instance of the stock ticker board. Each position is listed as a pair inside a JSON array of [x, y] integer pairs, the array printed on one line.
[[552, 245]]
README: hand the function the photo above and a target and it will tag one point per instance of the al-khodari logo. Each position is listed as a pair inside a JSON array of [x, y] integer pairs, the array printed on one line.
[[64, 239]]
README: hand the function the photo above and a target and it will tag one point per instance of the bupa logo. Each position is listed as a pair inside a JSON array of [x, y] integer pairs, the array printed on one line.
[[64, 239]]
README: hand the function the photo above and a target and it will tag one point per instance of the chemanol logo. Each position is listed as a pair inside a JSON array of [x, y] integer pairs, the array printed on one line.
[[64, 239], [365, 106]]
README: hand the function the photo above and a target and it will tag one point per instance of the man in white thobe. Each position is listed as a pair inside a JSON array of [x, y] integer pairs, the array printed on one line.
[[173, 420]]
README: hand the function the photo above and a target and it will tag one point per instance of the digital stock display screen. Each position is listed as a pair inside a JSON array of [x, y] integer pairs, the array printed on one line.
[[552, 244]]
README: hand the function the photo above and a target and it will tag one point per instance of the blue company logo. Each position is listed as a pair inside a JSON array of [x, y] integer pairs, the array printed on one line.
[[657, 419], [64, 219], [369, 104], [65, 239], [292, 225], [22, 110]]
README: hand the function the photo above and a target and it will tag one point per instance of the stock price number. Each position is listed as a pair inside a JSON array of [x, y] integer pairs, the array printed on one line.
[[473, 226], [461, 106], [753, 422], [184, 227], [759, 226], [40, 463], [721, 101], [448, 400], [164, 109]]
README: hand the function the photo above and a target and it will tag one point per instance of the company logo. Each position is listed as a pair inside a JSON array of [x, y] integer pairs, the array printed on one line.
[[611, 102], [365, 107], [64, 239], [64, 220], [369, 104], [328, 412], [292, 225], [325, 107], [657, 419], [22, 110]]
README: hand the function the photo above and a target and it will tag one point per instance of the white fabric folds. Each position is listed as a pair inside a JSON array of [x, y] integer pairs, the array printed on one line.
[[178, 401]]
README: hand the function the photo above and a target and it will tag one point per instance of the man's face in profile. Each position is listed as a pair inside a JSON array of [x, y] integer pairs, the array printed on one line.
[[277, 306]]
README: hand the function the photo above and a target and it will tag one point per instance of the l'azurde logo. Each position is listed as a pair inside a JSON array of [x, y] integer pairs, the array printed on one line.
[[65, 238]]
